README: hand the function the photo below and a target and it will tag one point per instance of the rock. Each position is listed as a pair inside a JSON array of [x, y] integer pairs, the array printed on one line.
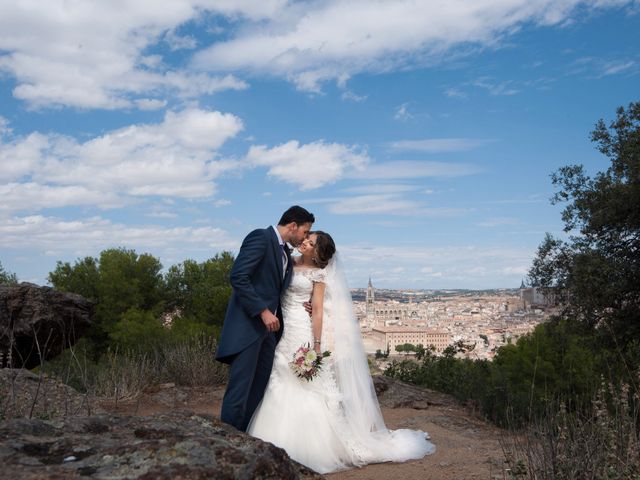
[[37, 323], [177, 445], [25, 394], [393, 393]]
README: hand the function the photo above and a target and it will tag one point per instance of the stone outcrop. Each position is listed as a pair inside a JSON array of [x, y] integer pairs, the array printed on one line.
[[393, 393], [37, 323], [24, 394], [178, 445]]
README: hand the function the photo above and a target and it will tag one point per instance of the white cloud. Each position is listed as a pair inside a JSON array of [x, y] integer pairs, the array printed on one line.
[[455, 93], [429, 272], [614, 68], [17, 196], [497, 222], [598, 67], [319, 41], [96, 54], [180, 42], [192, 85], [310, 165], [349, 95], [4, 126], [20, 157], [44, 240], [162, 214], [438, 145], [94, 234], [451, 266], [504, 88], [516, 270], [91, 54], [150, 103], [386, 202], [414, 169], [381, 188], [607, 67], [176, 157], [402, 112], [535, 198]]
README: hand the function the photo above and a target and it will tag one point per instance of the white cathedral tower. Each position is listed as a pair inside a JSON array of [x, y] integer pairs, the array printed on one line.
[[370, 302]]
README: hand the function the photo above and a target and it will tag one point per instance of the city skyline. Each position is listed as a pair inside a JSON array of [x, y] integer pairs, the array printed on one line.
[[422, 135]]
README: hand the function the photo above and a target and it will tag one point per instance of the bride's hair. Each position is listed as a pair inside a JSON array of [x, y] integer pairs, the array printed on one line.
[[325, 248]]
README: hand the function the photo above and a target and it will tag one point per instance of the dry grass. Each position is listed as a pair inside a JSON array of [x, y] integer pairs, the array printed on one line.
[[47, 392], [24, 394], [123, 375], [189, 362], [193, 364], [602, 443]]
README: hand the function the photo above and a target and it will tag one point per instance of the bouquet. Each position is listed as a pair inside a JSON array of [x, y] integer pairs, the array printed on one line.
[[306, 362]]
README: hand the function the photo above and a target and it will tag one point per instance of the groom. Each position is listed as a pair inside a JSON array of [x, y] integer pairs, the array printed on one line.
[[252, 325]]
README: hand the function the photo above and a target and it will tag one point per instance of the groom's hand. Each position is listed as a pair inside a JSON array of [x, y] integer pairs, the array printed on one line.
[[307, 306], [270, 320]]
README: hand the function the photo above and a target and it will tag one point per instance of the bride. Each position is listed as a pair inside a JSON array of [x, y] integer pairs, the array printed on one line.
[[332, 422]]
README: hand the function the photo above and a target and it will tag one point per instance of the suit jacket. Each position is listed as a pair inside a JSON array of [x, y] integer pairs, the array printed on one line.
[[257, 281]]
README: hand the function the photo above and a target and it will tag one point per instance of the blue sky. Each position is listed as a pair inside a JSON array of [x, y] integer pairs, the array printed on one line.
[[421, 134]]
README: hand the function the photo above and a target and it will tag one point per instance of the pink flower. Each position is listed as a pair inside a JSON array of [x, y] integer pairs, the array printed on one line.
[[306, 365]]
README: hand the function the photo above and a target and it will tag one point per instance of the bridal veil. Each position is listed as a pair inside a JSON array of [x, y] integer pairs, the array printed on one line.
[[341, 335]]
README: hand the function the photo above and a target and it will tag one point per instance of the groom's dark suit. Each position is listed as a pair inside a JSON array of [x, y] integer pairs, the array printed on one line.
[[257, 279]]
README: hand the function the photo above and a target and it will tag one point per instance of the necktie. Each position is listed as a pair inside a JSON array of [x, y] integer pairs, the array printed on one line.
[[284, 258]]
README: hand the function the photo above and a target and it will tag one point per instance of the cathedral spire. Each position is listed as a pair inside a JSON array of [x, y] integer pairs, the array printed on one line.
[[370, 299]]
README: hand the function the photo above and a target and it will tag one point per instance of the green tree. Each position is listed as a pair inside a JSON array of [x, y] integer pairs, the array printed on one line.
[[406, 348], [596, 272], [128, 280], [409, 347], [138, 330], [7, 277], [118, 281], [82, 278], [201, 291], [595, 276], [554, 361]]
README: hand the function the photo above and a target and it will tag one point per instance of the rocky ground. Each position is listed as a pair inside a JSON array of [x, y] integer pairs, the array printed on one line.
[[466, 447], [174, 432]]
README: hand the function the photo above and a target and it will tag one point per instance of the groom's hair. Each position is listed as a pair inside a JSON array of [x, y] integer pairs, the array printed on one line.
[[296, 214]]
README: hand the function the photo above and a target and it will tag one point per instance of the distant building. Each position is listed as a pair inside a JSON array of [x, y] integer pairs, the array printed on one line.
[[370, 300], [483, 320], [390, 312], [535, 297], [390, 337]]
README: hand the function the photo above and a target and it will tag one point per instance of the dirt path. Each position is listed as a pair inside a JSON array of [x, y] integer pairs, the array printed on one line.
[[467, 448]]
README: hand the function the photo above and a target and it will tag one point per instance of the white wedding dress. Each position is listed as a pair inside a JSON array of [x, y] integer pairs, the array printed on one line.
[[332, 422]]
